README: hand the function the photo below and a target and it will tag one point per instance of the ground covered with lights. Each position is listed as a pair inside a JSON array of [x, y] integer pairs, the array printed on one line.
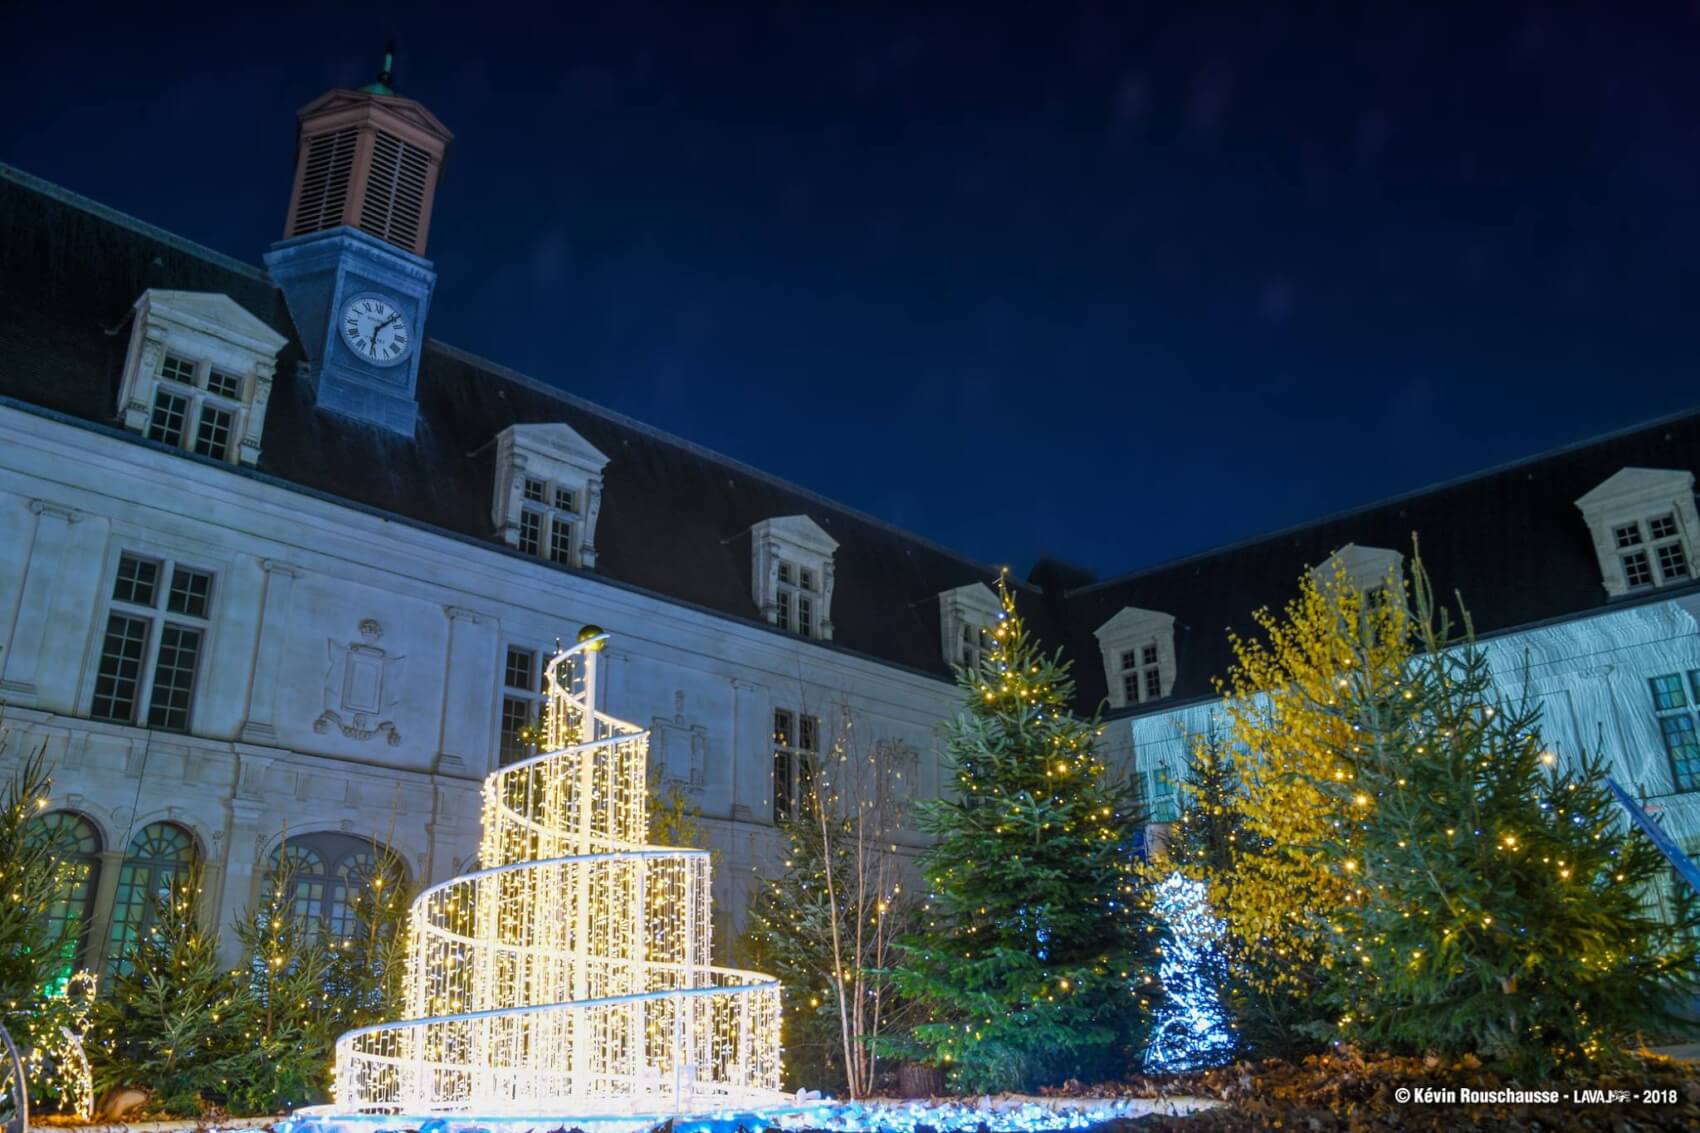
[[1336, 1091]]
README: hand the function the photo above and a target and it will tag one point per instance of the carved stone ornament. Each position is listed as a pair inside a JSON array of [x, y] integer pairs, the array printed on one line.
[[362, 686]]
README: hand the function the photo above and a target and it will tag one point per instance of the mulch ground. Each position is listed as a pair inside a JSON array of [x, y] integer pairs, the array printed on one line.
[[1347, 1091]]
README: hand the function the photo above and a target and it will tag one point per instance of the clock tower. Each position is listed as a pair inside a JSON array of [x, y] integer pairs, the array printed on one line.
[[352, 263]]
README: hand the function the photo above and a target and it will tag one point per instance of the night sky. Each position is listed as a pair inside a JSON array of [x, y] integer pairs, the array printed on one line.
[[1113, 282]]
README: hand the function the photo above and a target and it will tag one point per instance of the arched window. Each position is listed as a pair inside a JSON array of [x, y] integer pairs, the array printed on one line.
[[330, 870], [75, 845], [158, 853]]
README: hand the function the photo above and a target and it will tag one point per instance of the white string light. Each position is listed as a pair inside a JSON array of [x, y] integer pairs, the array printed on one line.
[[570, 975]]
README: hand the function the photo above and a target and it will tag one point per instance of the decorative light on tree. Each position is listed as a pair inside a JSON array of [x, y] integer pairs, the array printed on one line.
[[570, 975], [1192, 1028]]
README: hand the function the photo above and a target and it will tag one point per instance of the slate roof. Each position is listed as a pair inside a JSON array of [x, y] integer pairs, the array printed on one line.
[[1510, 541], [1511, 538], [674, 516]]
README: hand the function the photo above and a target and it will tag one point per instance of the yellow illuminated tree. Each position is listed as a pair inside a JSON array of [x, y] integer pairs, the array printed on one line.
[[1290, 729]]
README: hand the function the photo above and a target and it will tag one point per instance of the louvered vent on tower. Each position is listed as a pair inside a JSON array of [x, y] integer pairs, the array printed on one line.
[[395, 190], [367, 159], [326, 169]]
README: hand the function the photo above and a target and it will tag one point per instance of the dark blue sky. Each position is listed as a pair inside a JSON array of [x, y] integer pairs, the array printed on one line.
[[1116, 282]]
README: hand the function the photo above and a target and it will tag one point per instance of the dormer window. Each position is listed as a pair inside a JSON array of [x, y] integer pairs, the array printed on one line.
[[1139, 656], [1646, 547], [967, 616], [198, 374], [1374, 572], [548, 522], [195, 407], [1643, 522], [548, 492], [1142, 675], [795, 598], [791, 574]]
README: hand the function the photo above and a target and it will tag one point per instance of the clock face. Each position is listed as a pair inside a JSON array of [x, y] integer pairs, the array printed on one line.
[[375, 330]]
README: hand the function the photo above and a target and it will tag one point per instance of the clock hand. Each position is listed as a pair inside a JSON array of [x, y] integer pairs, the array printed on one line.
[[386, 323]]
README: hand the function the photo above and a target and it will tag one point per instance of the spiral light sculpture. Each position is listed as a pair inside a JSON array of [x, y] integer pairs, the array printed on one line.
[[570, 975]]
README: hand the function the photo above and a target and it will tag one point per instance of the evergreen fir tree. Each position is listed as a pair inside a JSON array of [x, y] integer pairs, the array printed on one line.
[[286, 1023], [1269, 1005], [1193, 1028], [1499, 902], [365, 969], [31, 955], [1210, 834], [169, 1024], [789, 933], [1036, 960]]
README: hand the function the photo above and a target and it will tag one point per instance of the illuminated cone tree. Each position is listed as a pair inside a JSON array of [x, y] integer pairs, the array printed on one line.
[[570, 976]]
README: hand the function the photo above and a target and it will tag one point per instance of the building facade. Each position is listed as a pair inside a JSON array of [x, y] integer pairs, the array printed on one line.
[[279, 572]]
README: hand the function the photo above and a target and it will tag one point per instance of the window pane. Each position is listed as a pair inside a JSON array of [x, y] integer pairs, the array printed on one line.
[[174, 677], [1153, 684], [785, 573], [1667, 692], [564, 500], [522, 663], [224, 385], [120, 672], [213, 437], [156, 855], [1684, 748], [1130, 687], [805, 578], [169, 411], [1129, 661], [190, 591], [136, 581], [1636, 570], [1148, 655], [1664, 527], [782, 612], [1672, 562], [76, 847], [809, 727], [534, 490], [805, 616], [517, 721], [561, 542], [177, 370], [531, 532], [781, 786], [782, 727], [1628, 535]]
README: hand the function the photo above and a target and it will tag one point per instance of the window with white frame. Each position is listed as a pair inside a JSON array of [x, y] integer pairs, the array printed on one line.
[[1651, 551], [195, 407], [1141, 673], [796, 755], [1643, 523], [548, 520], [198, 374], [150, 652], [791, 574], [1163, 808], [522, 703], [796, 597], [548, 492], [1138, 648], [1676, 698]]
